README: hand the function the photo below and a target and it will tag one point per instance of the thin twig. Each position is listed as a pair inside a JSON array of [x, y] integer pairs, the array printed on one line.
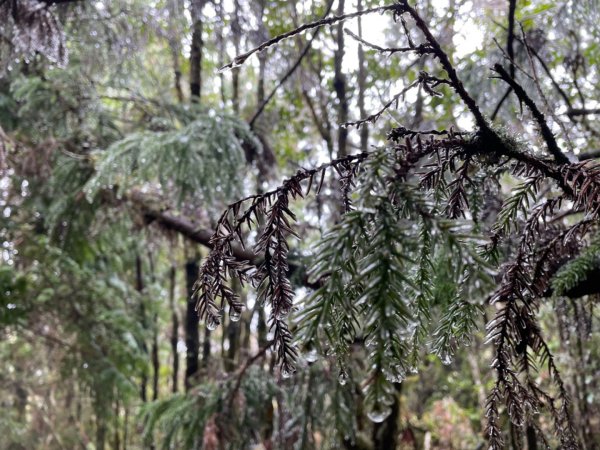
[[241, 59], [374, 117], [290, 71], [390, 50]]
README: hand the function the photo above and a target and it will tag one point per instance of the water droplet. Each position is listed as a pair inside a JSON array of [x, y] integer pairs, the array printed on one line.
[[212, 323], [379, 414], [446, 358], [395, 376], [287, 372], [343, 377], [234, 315], [312, 356]]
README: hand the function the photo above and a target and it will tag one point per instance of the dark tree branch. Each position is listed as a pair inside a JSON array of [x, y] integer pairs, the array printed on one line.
[[574, 112], [182, 225], [390, 50], [547, 135], [589, 155], [439, 53]]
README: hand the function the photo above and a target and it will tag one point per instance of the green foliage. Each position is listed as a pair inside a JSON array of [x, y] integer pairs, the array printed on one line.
[[577, 270], [203, 157], [370, 289], [180, 419], [13, 286]]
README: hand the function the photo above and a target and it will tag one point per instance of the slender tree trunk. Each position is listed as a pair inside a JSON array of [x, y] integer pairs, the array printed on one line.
[[174, 330], [117, 435], [126, 429], [221, 50], [155, 359], [233, 338], [206, 348], [236, 32], [154, 350], [196, 50], [362, 85], [192, 320], [531, 439], [175, 12], [340, 85], [139, 282]]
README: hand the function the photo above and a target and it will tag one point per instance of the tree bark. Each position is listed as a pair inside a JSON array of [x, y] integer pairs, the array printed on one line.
[[236, 32], [192, 321], [196, 50], [175, 10], [174, 330], [139, 285], [340, 85], [362, 85]]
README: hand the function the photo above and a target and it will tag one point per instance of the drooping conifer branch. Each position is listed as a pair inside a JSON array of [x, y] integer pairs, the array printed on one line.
[[355, 273]]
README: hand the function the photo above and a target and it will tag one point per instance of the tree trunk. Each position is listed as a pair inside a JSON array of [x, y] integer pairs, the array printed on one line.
[[206, 348], [174, 330], [340, 85], [196, 50], [139, 285], [192, 320], [175, 11], [117, 435], [154, 350], [362, 86], [236, 32]]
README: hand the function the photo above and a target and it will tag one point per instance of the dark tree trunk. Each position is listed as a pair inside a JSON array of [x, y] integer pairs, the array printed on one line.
[[236, 32], [196, 50], [154, 350], [139, 285], [174, 330], [206, 348], [155, 359], [117, 435], [531, 439], [233, 337], [192, 320]]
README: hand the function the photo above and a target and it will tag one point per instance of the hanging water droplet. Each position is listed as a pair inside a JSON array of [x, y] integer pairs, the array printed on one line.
[[379, 414], [446, 358], [212, 323], [312, 356], [234, 315], [287, 372], [343, 377]]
